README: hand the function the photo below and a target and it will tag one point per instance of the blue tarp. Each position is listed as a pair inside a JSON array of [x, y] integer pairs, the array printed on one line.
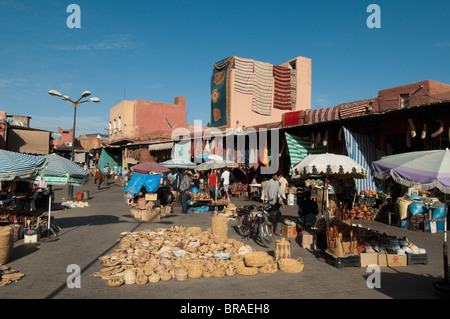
[[151, 183]]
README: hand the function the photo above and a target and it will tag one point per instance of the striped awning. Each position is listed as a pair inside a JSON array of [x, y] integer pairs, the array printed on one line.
[[161, 146], [13, 164], [300, 148], [362, 150], [61, 171]]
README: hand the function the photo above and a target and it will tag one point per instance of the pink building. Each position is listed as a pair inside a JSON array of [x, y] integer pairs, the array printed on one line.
[[137, 120], [246, 93]]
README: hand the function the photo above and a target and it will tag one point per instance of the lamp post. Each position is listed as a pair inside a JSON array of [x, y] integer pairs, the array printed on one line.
[[75, 105]]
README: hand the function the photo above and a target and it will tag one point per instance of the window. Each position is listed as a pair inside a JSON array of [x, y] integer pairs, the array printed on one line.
[[404, 100], [120, 123], [110, 131], [115, 126]]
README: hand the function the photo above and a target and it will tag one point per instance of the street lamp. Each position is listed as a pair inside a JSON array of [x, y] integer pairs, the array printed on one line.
[[75, 104]]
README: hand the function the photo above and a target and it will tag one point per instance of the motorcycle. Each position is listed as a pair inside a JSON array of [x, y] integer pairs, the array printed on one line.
[[253, 220]]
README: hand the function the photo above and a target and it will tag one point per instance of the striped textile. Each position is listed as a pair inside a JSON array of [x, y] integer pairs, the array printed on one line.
[[13, 164], [321, 115], [243, 76], [282, 88], [299, 148], [354, 109], [262, 93], [362, 150]]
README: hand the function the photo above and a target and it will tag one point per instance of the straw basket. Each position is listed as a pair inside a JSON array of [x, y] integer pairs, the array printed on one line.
[[269, 268], [141, 277], [129, 275], [115, 282], [257, 259], [181, 274], [241, 269], [154, 278], [6, 244], [282, 249], [219, 226], [291, 265]]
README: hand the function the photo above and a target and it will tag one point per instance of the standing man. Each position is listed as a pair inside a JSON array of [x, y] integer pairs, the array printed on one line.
[[284, 186], [226, 181], [273, 190], [185, 184], [212, 182]]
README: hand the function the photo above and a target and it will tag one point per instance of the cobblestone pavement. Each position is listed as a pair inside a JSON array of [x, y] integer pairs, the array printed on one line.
[[90, 232]]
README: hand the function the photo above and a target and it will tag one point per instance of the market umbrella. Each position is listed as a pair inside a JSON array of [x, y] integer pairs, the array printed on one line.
[[149, 168], [328, 165], [425, 170], [13, 164], [179, 163]]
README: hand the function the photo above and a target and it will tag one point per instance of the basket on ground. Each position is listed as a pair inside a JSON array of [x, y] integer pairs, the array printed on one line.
[[291, 265]]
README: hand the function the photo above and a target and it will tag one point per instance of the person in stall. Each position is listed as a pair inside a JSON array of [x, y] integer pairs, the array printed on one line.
[[308, 210], [22, 190], [212, 182]]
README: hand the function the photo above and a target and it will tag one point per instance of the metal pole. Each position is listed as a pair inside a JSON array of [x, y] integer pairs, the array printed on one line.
[[70, 191], [445, 240]]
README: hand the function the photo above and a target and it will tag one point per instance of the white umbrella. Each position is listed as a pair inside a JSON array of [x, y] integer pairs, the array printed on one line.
[[328, 165]]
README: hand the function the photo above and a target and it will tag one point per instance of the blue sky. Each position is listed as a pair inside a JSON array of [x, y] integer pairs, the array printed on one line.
[[157, 50]]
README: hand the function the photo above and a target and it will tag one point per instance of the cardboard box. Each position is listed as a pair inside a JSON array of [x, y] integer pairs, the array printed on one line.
[[368, 259], [395, 260], [289, 231], [382, 260], [151, 196], [308, 240]]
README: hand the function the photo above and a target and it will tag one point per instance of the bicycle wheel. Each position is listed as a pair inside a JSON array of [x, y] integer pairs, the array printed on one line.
[[265, 234], [240, 227]]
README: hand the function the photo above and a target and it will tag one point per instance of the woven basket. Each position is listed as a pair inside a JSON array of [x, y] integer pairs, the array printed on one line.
[[291, 265], [141, 277], [165, 276], [219, 226], [282, 249], [154, 278], [6, 244], [241, 269], [129, 275], [181, 274], [115, 282], [269, 268], [257, 259]]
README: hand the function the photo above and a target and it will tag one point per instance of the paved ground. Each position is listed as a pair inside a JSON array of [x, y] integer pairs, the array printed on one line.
[[88, 233]]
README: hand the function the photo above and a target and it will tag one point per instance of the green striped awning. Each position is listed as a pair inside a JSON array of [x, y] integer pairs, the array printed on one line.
[[299, 148]]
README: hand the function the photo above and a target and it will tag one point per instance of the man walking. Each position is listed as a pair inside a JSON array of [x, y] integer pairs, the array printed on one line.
[[185, 184], [226, 182], [273, 190]]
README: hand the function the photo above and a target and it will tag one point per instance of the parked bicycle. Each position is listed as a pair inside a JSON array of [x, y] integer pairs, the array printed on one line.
[[253, 220]]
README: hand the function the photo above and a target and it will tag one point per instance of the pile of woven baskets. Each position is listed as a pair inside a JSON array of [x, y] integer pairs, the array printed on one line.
[[180, 253], [9, 275]]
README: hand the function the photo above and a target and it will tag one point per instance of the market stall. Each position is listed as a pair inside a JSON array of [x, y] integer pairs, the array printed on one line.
[[426, 170]]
